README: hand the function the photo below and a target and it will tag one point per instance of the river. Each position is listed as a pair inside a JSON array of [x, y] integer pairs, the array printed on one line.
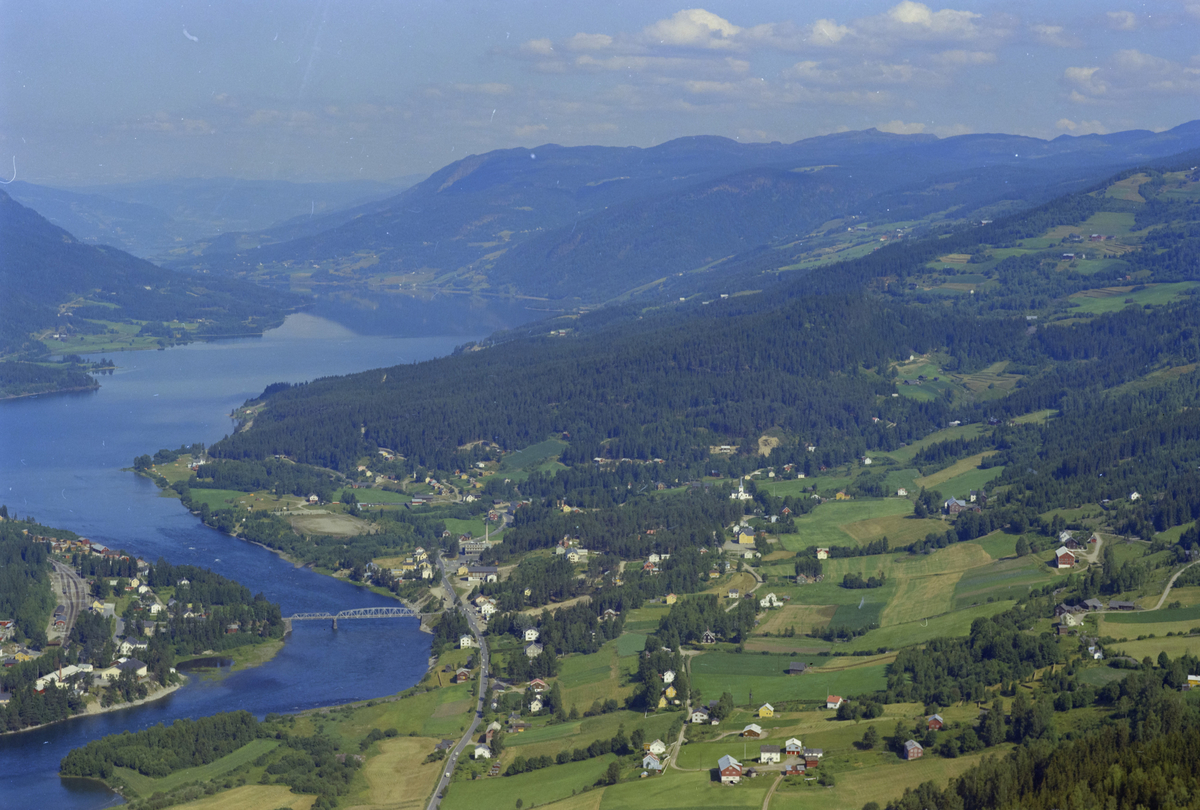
[[61, 460]]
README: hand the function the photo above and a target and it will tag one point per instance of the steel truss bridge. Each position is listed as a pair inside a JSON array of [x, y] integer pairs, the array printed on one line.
[[358, 613]]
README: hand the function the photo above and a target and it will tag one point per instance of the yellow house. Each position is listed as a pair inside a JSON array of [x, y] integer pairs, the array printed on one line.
[[766, 710], [745, 537], [841, 496], [462, 571], [408, 565], [670, 692], [671, 599]]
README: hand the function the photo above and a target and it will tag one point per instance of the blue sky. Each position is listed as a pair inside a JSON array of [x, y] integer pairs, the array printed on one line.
[[119, 91]]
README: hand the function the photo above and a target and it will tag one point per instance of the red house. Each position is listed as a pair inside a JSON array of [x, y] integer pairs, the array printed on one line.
[[913, 750], [1064, 557], [935, 722]]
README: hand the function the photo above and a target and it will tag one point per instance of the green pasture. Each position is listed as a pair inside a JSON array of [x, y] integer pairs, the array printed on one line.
[[714, 673], [1036, 417], [630, 644], [552, 738], [146, 786], [1111, 223], [645, 619], [1186, 614], [1174, 646], [375, 496], [857, 522], [905, 454], [219, 498], [895, 636], [455, 526], [533, 788], [1003, 579], [530, 457], [440, 712], [1111, 299], [684, 791]]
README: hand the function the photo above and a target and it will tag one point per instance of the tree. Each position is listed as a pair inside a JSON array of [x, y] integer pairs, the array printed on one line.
[[870, 738], [613, 774], [1023, 548], [637, 738]]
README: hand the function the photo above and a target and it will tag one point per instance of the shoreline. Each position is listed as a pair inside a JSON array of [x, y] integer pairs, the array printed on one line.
[[94, 708]]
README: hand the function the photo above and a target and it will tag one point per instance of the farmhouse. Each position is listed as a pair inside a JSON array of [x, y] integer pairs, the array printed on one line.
[[466, 640], [535, 705], [733, 593], [766, 710], [709, 637], [531, 634], [538, 685], [822, 554], [482, 752], [1064, 558], [730, 770], [769, 601], [533, 650], [793, 747], [752, 730], [913, 750], [658, 748], [652, 763], [935, 722], [462, 675], [700, 715], [669, 676], [769, 753], [833, 702]]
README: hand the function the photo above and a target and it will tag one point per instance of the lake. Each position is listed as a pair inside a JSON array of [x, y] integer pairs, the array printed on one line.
[[62, 460]]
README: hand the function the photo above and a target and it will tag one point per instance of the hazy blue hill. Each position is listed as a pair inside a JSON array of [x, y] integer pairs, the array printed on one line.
[[43, 268], [591, 223], [152, 217]]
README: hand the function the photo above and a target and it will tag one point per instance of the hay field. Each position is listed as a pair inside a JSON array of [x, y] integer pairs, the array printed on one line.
[[398, 777], [957, 468], [252, 797], [803, 617], [336, 525]]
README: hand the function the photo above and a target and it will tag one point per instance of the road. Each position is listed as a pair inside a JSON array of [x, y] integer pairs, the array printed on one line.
[[1167, 590], [69, 590], [484, 663]]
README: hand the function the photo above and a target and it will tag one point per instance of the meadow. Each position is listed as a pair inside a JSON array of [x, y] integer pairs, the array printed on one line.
[[146, 786], [714, 673]]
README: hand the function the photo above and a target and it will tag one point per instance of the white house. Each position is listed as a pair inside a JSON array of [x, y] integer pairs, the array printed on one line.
[[658, 748], [531, 634], [1133, 496], [902, 492], [833, 702], [769, 601], [650, 762], [769, 753], [669, 676], [482, 752], [700, 715], [535, 705], [466, 640]]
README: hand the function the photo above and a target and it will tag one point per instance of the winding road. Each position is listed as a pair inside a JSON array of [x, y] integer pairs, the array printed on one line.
[[452, 760]]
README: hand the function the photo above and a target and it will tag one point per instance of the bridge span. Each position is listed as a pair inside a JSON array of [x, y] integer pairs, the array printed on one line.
[[357, 613]]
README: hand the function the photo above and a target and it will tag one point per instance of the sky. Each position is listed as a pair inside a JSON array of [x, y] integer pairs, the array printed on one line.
[[317, 90]]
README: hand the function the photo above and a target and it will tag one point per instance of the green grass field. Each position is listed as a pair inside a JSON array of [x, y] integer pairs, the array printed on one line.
[[716, 672], [1003, 579], [219, 498], [376, 496], [1174, 647], [456, 526], [858, 522], [145, 786], [895, 636], [1186, 614], [534, 788], [684, 791], [1111, 299], [532, 456]]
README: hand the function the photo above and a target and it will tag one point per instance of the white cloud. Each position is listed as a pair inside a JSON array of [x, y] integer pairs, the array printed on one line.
[[911, 20], [1081, 127], [828, 32], [485, 89], [864, 73], [1132, 73], [961, 57], [529, 130], [539, 47], [1054, 35], [1122, 20], [589, 42], [695, 28], [898, 127]]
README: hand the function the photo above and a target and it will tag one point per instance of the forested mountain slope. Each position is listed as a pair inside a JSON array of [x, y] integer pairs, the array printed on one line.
[[586, 224], [820, 361], [53, 283]]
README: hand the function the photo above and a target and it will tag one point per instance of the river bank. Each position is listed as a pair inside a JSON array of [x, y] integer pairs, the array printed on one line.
[[94, 708]]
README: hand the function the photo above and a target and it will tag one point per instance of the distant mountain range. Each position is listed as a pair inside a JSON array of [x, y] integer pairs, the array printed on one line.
[[585, 225], [152, 217]]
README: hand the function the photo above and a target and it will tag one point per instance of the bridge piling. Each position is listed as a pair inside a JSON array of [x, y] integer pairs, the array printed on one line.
[[335, 622]]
